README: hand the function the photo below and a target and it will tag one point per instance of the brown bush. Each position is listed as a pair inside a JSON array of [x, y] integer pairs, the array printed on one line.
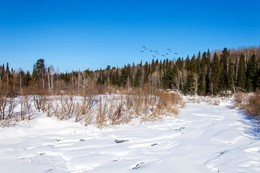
[[253, 105], [7, 103], [25, 107], [240, 99], [101, 118]]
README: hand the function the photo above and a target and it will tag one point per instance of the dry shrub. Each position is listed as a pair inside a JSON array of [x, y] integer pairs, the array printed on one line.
[[117, 114], [85, 109], [39, 97], [39, 102], [25, 107], [56, 109], [240, 100], [101, 118], [82, 110], [68, 106], [253, 105], [7, 103], [168, 102], [48, 107]]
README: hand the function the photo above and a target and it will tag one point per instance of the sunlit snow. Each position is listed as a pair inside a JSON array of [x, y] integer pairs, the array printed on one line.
[[203, 138]]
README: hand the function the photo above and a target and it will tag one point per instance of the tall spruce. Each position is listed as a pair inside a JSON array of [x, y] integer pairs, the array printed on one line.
[[224, 77], [257, 78], [251, 74], [169, 79], [215, 74], [231, 75], [190, 82], [241, 74], [208, 71], [38, 69], [137, 80], [202, 75]]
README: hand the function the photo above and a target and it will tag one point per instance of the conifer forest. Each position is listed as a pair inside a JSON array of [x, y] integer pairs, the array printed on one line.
[[206, 73]]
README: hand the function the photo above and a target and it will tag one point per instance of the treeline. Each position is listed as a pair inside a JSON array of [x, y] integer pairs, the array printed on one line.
[[207, 73]]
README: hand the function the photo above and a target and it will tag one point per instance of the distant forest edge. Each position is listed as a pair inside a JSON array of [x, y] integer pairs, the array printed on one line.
[[207, 73]]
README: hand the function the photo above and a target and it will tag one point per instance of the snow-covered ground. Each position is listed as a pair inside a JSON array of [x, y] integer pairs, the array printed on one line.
[[203, 138]]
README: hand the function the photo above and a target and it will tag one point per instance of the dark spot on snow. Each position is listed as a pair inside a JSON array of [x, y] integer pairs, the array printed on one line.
[[223, 152], [49, 170], [154, 144], [138, 165], [180, 129], [121, 140], [57, 140], [41, 154], [82, 140]]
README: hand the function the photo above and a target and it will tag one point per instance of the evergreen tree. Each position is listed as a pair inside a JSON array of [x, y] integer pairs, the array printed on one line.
[[169, 78], [208, 73], [7, 74], [241, 75], [202, 75], [115, 77], [224, 77], [215, 74], [137, 80], [198, 63], [190, 87], [38, 69], [251, 74], [101, 78], [2, 72], [123, 77], [231, 75], [258, 80]]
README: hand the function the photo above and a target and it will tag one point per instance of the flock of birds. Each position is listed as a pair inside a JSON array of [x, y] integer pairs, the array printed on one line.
[[156, 53]]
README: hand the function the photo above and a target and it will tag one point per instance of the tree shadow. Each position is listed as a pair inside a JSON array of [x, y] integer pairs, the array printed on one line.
[[252, 124]]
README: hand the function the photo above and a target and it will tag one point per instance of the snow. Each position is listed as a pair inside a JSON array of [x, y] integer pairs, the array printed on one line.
[[203, 138]]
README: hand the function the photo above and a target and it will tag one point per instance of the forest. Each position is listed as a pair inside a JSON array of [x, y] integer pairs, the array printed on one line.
[[207, 73]]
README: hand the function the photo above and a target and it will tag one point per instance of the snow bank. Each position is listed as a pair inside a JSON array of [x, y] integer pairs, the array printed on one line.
[[204, 138]]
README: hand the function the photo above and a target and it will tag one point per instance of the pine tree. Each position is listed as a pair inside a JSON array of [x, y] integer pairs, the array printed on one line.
[[224, 78], [169, 78], [101, 78], [116, 77], [241, 76], [251, 74], [7, 74], [38, 69], [137, 80], [258, 80], [215, 74], [123, 77], [2, 72], [208, 72], [231, 75], [190, 87], [202, 75]]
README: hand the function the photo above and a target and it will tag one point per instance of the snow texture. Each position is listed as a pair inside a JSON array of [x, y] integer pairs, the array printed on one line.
[[203, 138]]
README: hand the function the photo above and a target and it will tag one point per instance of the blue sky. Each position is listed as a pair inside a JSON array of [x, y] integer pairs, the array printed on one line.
[[91, 34]]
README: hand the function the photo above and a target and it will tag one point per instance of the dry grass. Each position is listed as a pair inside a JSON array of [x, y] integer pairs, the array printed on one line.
[[107, 106], [25, 108], [253, 105], [101, 117], [240, 99]]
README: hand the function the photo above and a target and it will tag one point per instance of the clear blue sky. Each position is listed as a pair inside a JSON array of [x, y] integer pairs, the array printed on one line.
[[82, 34]]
